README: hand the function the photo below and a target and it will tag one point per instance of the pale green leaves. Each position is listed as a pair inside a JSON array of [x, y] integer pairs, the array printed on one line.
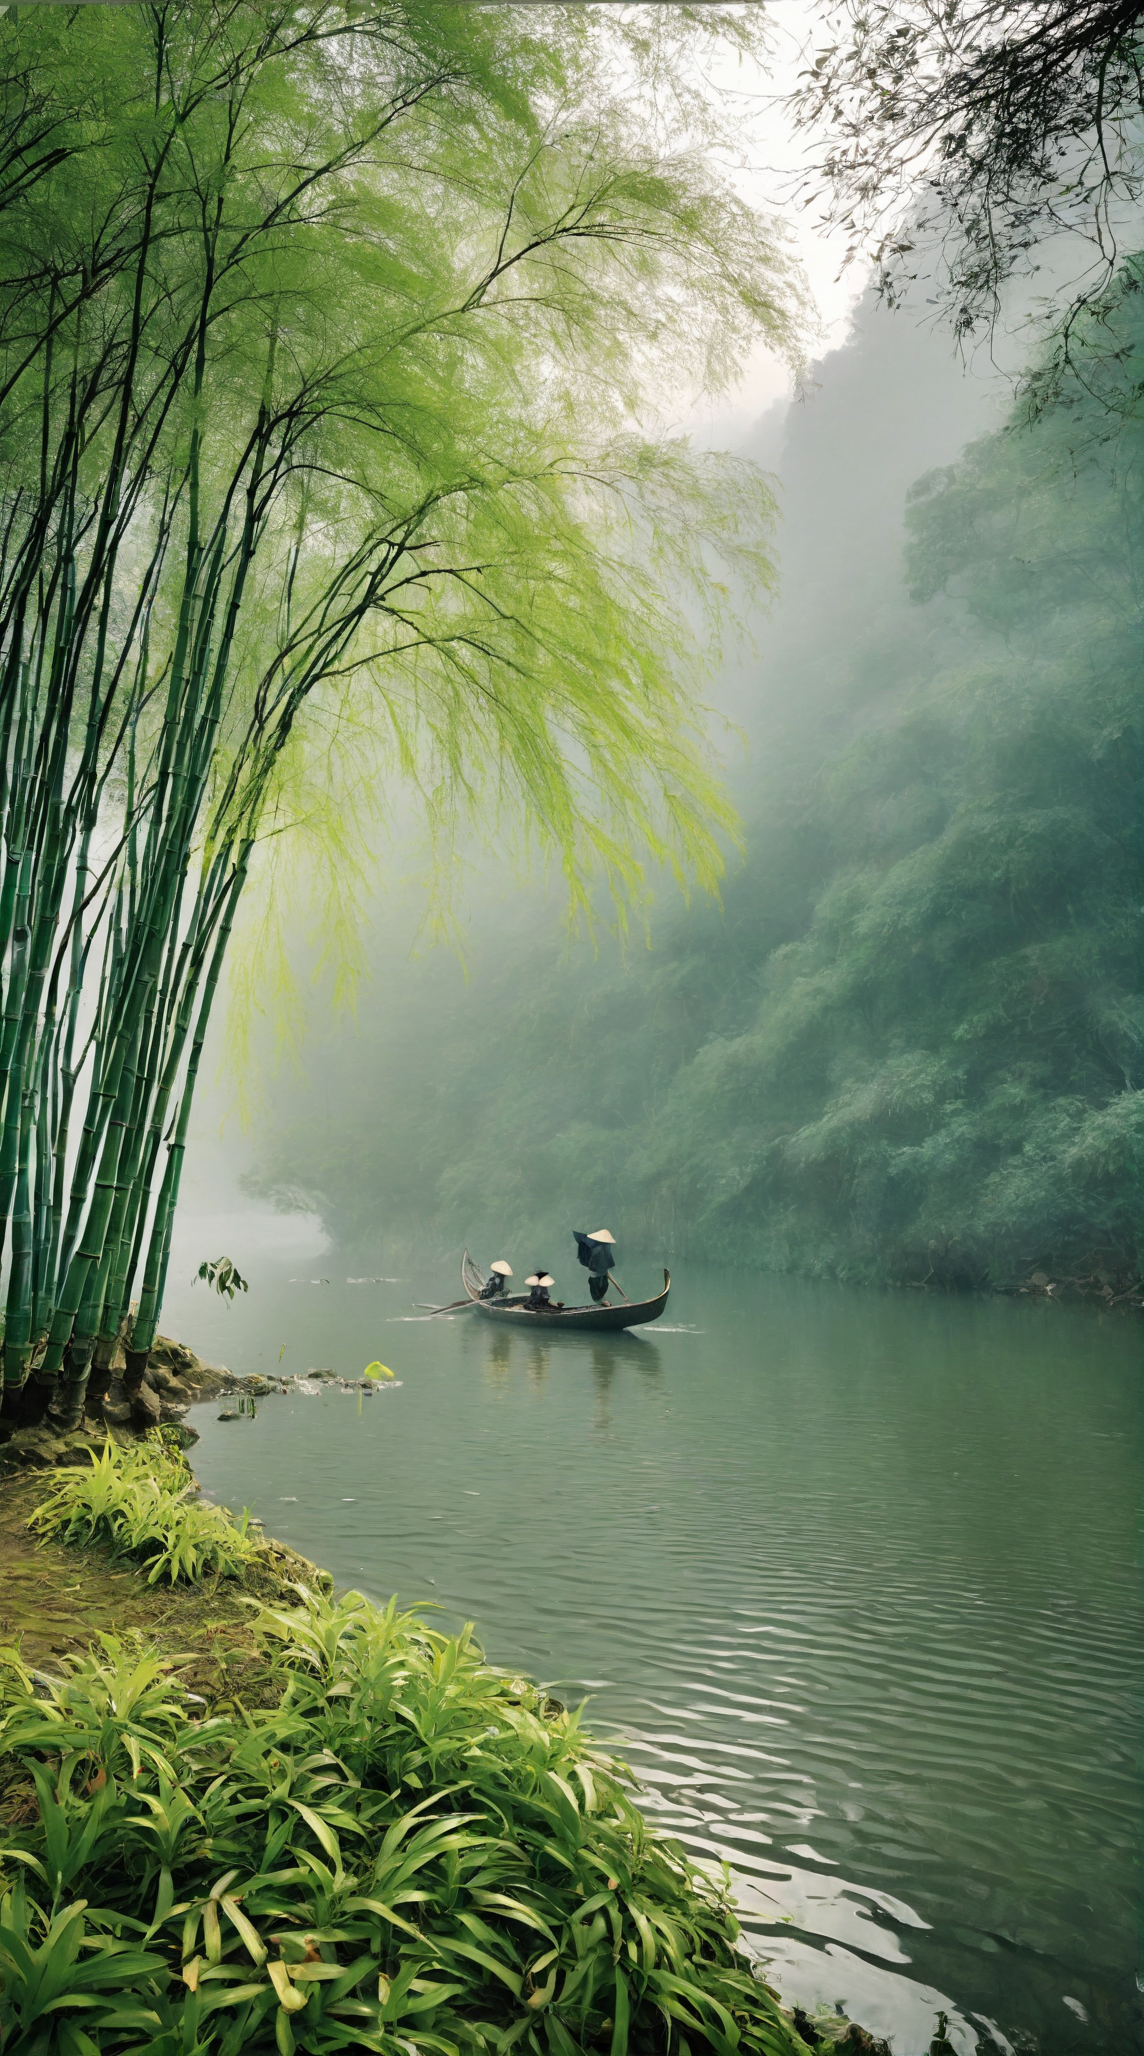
[[141, 1500]]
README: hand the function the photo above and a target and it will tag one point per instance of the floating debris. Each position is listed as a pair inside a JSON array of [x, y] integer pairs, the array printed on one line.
[[317, 1381]]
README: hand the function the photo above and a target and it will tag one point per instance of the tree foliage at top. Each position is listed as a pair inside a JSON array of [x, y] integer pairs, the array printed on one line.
[[980, 129]]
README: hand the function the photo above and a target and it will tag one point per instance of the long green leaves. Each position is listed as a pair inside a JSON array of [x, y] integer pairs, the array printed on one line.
[[408, 1851], [141, 1501]]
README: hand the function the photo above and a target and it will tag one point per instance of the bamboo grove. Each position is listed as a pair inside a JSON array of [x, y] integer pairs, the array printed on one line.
[[323, 340]]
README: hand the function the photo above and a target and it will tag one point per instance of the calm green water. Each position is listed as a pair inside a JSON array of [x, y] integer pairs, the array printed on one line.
[[854, 1575]]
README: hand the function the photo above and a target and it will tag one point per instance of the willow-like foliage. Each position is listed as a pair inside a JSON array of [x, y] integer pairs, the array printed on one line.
[[325, 338]]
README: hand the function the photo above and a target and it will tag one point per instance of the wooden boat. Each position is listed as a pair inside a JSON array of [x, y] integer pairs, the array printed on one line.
[[513, 1311]]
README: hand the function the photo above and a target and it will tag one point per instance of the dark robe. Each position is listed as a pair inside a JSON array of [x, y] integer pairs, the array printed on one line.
[[597, 1260], [491, 1286]]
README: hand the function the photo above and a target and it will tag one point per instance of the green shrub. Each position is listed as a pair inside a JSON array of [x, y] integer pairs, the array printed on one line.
[[409, 1852], [141, 1501]]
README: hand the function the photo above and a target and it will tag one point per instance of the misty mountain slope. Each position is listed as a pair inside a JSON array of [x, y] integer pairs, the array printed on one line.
[[910, 1046], [889, 405], [944, 1073]]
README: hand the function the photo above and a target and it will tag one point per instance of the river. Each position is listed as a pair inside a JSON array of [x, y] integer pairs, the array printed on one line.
[[853, 1577]]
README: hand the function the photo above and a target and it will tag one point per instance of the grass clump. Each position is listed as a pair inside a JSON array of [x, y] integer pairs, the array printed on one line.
[[141, 1501], [405, 1850]]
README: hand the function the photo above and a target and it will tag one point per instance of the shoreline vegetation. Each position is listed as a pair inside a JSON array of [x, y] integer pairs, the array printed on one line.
[[331, 1827]]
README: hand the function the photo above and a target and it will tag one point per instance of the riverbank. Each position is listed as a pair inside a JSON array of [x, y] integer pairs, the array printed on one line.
[[57, 1601], [175, 1380], [539, 1908]]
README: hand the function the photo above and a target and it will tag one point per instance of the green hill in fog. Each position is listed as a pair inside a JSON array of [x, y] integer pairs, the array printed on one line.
[[909, 1045]]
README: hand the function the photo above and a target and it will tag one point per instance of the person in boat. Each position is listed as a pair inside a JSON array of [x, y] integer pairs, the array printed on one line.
[[595, 1253], [494, 1284], [540, 1294]]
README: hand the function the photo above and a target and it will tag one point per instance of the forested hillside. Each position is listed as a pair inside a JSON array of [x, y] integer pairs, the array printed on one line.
[[909, 1045]]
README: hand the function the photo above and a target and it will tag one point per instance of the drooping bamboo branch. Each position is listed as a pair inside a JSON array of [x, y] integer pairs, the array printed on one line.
[[298, 442]]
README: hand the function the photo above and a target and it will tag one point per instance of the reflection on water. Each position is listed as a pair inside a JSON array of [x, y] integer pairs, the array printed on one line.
[[851, 1576]]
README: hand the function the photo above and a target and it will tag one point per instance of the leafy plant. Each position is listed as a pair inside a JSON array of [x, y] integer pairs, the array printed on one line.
[[142, 1501], [410, 1851], [224, 1276]]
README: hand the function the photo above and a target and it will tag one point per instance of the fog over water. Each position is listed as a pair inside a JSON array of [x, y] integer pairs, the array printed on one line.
[[924, 956]]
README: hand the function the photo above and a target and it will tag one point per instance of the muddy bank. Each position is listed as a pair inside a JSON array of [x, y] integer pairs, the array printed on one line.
[[57, 1601]]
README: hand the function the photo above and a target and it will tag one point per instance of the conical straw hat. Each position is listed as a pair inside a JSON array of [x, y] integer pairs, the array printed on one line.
[[505, 1270], [601, 1235]]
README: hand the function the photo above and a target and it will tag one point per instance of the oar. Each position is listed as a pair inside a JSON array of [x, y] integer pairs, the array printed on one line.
[[454, 1306], [613, 1280]]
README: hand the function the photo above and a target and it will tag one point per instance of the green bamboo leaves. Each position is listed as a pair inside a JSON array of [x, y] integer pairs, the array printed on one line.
[[318, 473], [223, 1275], [407, 1851]]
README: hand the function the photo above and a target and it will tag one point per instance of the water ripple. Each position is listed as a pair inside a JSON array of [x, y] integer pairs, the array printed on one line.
[[852, 1581]]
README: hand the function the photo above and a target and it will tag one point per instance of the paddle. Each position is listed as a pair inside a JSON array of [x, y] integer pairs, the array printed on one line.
[[613, 1280], [455, 1306]]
